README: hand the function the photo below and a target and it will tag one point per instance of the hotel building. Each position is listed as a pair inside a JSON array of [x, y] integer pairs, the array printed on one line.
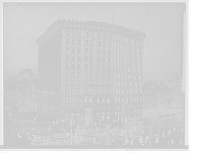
[[90, 68]]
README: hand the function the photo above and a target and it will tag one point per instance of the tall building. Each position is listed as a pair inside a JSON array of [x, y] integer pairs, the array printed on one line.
[[90, 67]]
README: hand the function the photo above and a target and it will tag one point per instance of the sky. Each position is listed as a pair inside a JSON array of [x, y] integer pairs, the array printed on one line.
[[162, 23]]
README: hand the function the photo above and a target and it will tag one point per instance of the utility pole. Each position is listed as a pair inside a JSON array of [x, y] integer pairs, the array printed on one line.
[[22, 120], [49, 133]]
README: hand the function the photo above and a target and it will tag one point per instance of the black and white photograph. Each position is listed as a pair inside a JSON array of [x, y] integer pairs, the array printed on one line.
[[95, 75]]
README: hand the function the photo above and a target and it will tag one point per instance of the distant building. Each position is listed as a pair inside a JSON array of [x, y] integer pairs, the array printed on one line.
[[151, 90], [90, 65]]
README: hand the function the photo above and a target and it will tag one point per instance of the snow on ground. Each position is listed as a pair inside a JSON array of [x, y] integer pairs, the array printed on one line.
[[10, 141]]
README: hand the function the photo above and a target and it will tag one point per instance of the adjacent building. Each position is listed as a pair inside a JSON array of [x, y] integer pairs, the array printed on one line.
[[154, 93], [90, 69]]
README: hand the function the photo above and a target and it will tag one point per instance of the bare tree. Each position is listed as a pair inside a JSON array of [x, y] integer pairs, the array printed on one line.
[[76, 130], [151, 125], [107, 135]]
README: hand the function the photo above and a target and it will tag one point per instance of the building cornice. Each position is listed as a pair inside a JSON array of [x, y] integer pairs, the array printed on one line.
[[91, 25]]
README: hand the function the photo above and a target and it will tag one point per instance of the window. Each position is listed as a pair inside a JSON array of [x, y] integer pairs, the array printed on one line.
[[108, 92], [98, 67], [103, 60], [67, 66], [73, 58], [78, 75], [98, 59], [109, 76], [98, 91], [109, 44], [98, 35], [67, 49], [104, 44], [104, 75], [67, 58], [73, 75], [86, 34], [78, 58], [78, 34], [72, 100], [110, 36], [67, 83], [86, 59], [86, 51], [109, 67], [103, 36], [72, 66], [73, 83], [67, 42], [78, 66], [86, 43], [104, 68], [73, 50], [91, 67], [104, 52], [91, 75], [91, 59], [78, 42], [78, 50], [78, 82], [67, 75], [91, 43], [72, 91], [86, 75], [67, 33], [103, 92], [91, 35], [99, 44], [66, 100], [91, 51], [73, 42], [109, 52], [78, 91], [98, 51], [86, 67], [109, 60], [98, 75], [72, 34], [78, 101]]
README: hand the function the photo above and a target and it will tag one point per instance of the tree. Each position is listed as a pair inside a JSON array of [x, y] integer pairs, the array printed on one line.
[[107, 135], [76, 130], [135, 129], [151, 126]]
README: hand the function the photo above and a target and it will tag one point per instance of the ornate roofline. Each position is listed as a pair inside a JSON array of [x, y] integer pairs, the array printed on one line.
[[92, 25]]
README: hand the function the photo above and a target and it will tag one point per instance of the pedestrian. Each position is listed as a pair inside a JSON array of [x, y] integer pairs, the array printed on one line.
[[172, 141], [168, 143], [163, 134]]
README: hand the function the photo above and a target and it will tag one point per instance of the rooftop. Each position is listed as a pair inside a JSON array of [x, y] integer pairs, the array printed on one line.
[[94, 25]]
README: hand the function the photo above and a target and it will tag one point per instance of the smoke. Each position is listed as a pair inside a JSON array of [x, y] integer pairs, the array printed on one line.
[[30, 72]]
